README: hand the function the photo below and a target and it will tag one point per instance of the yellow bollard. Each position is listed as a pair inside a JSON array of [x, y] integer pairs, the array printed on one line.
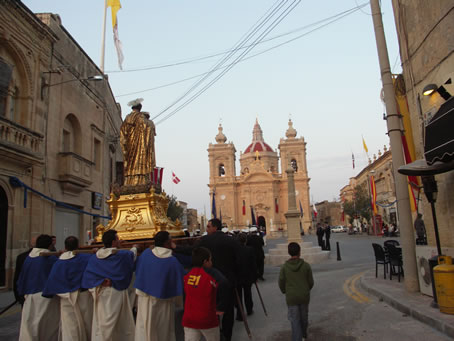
[[444, 284]]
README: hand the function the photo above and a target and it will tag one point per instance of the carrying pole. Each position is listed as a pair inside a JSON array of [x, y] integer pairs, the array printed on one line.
[[261, 300], [243, 315]]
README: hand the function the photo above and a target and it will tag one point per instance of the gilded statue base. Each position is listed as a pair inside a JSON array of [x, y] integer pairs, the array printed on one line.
[[139, 216]]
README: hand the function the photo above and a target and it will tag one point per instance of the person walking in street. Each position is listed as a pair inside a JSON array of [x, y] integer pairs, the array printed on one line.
[[159, 287], [224, 251], [76, 303], [327, 232], [246, 277], [255, 241], [204, 287], [107, 276], [296, 282], [320, 236], [39, 313]]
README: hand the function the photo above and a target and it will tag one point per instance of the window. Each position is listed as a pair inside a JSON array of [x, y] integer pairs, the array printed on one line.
[[71, 135], [294, 165], [221, 170], [13, 103], [68, 135], [97, 154], [5, 78]]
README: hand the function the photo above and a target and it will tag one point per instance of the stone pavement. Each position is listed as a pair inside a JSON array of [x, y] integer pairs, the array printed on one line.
[[415, 305]]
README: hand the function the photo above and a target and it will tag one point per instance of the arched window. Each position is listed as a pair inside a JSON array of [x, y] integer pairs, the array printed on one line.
[[221, 170], [13, 88], [71, 135], [294, 165]]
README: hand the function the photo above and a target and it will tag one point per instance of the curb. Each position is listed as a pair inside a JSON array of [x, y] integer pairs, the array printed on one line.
[[419, 315]]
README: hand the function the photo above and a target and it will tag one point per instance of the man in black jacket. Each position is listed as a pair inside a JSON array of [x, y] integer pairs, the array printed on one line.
[[224, 251], [247, 276], [256, 242]]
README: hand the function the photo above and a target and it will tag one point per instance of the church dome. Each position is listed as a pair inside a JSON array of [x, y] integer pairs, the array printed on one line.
[[258, 144]]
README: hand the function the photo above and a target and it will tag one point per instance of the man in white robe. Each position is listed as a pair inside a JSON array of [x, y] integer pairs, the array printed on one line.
[[76, 303], [108, 276], [40, 315], [159, 284]]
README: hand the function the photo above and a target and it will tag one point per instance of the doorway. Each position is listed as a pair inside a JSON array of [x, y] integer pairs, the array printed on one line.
[[67, 223], [3, 227]]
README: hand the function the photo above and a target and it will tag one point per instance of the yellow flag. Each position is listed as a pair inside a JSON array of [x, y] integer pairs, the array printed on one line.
[[114, 6], [364, 145]]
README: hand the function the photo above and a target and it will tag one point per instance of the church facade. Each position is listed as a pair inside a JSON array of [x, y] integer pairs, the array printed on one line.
[[261, 186]]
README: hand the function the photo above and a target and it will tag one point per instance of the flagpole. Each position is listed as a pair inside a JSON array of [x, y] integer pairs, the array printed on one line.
[[103, 39]]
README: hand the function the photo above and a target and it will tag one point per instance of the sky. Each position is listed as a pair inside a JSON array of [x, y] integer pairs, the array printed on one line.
[[326, 79]]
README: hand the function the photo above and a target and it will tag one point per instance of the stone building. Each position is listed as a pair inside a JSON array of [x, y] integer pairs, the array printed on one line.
[[260, 186], [192, 220], [329, 212], [424, 30], [59, 128], [380, 168]]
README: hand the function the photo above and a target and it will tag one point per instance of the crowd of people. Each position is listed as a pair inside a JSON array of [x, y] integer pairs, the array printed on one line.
[[116, 294]]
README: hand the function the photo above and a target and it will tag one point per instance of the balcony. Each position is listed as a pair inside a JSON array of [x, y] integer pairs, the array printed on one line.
[[74, 172], [20, 143]]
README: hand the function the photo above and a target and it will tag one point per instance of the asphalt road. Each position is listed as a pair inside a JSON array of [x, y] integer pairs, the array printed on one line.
[[339, 310]]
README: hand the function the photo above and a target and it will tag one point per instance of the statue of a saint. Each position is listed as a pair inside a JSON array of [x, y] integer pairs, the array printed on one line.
[[137, 141]]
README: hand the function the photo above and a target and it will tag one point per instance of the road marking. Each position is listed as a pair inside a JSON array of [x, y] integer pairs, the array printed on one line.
[[351, 290]]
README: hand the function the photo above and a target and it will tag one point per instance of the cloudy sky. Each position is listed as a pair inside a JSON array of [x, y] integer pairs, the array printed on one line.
[[312, 61]]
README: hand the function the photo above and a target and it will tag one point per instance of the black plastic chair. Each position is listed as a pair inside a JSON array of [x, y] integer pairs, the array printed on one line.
[[395, 260], [390, 242], [380, 258]]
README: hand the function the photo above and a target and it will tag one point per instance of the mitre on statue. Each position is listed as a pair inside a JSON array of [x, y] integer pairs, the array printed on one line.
[[135, 102]]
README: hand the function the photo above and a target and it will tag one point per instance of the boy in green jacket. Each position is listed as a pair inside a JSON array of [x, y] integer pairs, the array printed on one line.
[[296, 282]]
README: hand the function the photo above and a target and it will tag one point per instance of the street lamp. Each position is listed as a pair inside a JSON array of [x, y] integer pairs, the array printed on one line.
[[95, 78]]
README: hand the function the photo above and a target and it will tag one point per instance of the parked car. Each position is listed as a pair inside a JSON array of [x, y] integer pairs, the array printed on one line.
[[337, 229]]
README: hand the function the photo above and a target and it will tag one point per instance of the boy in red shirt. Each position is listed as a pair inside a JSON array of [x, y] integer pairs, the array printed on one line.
[[202, 285]]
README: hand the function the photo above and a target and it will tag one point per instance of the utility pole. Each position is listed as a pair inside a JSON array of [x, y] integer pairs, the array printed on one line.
[[395, 136]]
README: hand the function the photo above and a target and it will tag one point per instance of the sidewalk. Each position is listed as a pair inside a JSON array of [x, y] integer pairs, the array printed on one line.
[[415, 305]]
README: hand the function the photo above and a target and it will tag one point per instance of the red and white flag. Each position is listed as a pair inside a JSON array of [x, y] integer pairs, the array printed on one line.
[[156, 176], [175, 178], [315, 210]]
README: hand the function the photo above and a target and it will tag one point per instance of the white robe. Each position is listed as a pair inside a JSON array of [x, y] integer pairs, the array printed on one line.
[[40, 315], [155, 316], [112, 311], [76, 312]]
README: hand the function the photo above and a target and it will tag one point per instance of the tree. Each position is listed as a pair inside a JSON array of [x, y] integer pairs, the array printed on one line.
[[360, 206], [174, 211]]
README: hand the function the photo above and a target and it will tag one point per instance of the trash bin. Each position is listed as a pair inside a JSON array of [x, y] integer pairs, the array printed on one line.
[[444, 283]]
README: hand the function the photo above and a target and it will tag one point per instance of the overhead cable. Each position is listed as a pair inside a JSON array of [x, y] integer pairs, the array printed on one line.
[[332, 19]]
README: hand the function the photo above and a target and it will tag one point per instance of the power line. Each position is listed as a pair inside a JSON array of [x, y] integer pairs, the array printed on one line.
[[198, 59], [256, 27], [332, 19], [276, 22]]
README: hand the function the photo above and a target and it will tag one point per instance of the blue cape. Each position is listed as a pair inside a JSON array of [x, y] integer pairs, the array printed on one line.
[[117, 267], [159, 277], [34, 274], [66, 275]]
